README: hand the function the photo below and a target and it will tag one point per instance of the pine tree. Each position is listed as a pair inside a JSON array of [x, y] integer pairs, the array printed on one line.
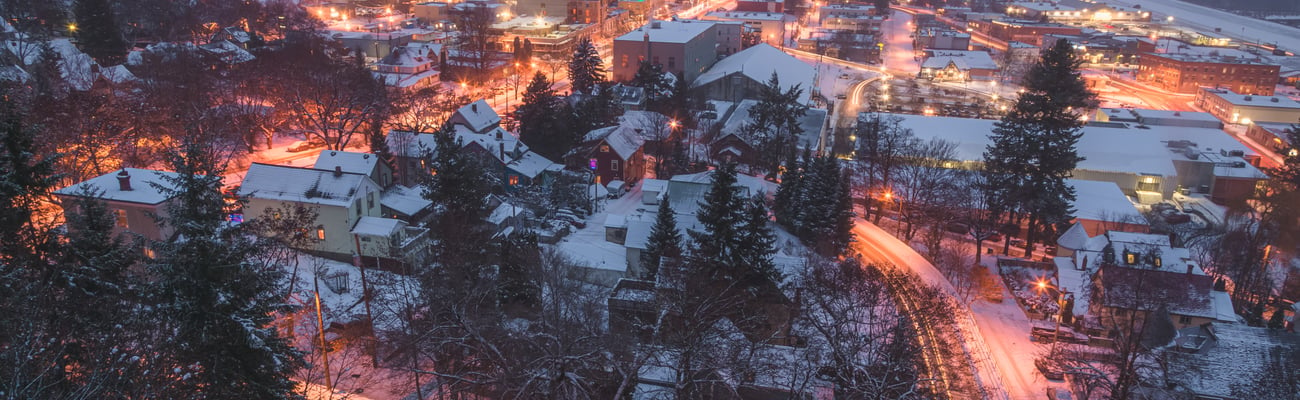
[[542, 120], [776, 121], [842, 233], [25, 181], [650, 76], [1278, 320], [756, 245], [1279, 204], [1033, 149], [98, 33], [665, 240], [213, 296], [47, 74], [785, 203], [586, 68], [599, 110], [459, 191], [517, 288]]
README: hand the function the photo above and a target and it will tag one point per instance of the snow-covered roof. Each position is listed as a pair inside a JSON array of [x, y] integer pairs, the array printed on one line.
[[812, 122], [304, 185], [1147, 289], [400, 80], [352, 162], [412, 55], [376, 226], [1104, 148], [504, 211], [410, 144], [649, 122], [531, 164], [1074, 238], [622, 139], [1157, 115], [750, 16], [228, 52], [758, 63], [117, 74], [961, 59], [654, 185], [659, 31], [144, 185], [404, 200], [1147, 239], [1103, 201], [687, 191], [1239, 353], [13, 73], [1041, 6], [477, 116], [1253, 100]]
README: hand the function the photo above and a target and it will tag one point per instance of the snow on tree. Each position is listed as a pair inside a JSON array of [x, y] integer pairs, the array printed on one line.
[[544, 120], [586, 69], [665, 240]]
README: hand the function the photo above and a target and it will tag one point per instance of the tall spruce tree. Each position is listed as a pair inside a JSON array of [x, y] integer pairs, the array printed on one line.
[[599, 110], [1033, 146], [543, 120], [786, 201], [775, 121], [841, 234], [26, 180], [665, 240], [98, 33], [756, 244], [585, 69], [721, 215], [213, 296]]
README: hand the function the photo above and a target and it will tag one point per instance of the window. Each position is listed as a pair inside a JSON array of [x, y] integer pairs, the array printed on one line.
[[672, 62], [604, 148], [120, 216], [370, 200], [1130, 258], [514, 180], [1185, 320], [625, 60], [1155, 261], [320, 234], [613, 165]]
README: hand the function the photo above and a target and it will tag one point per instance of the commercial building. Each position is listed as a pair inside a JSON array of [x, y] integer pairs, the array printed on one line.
[[1187, 73], [941, 39], [770, 28], [1095, 13], [958, 65], [1234, 108], [1021, 31], [685, 48]]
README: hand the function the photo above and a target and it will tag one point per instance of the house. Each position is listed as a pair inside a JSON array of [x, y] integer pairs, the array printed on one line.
[[742, 75], [508, 159], [1206, 361], [342, 200], [397, 201], [1272, 135], [958, 65], [1100, 207], [409, 67], [614, 153], [136, 197], [772, 28], [734, 143], [478, 117], [1129, 275]]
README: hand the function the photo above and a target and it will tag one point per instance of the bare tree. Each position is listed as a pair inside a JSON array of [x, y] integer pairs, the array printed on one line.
[[475, 40], [334, 101], [424, 110], [882, 142]]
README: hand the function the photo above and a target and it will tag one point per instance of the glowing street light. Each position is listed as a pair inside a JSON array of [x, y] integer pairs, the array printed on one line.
[[72, 27]]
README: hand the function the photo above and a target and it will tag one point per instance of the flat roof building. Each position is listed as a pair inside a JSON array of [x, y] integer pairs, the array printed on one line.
[[1234, 108], [1187, 73]]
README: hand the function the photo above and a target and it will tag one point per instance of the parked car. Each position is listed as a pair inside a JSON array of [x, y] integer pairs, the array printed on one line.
[[571, 219], [304, 145], [1059, 394], [1049, 370], [997, 237]]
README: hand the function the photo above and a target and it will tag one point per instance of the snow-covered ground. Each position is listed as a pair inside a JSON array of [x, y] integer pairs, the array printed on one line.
[[1207, 19], [588, 245]]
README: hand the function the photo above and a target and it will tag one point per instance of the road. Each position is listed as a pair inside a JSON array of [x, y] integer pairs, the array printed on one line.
[[874, 244]]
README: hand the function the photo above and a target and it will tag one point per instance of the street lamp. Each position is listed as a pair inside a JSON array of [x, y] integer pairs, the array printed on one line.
[[1062, 296]]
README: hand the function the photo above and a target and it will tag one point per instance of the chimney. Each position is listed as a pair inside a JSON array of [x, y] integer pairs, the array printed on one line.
[[474, 107], [338, 171], [1190, 267], [124, 180], [501, 146]]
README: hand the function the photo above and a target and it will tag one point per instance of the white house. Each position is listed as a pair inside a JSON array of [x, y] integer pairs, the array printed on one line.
[[137, 198]]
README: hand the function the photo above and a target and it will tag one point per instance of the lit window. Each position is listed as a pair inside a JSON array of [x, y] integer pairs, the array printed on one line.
[[121, 218], [604, 148], [514, 180], [320, 234], [1185, 320], [1130, 258], [1156, 261]]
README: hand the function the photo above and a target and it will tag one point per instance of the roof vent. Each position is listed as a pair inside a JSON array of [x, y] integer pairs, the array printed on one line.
[[473, 107], [338, 171], [655, 25], [1275, 100], [1247, 98], [334, 153], [1178, 114], [124, 180], [365, 156]]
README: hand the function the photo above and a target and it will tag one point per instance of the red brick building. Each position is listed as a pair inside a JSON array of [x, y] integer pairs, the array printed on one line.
[[1021, 31], [1185, 73], [760, 6]]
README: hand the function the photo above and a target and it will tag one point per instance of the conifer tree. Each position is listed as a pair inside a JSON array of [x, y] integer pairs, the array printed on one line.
[[842, 233], [25, 181], [543, 119], [756, 245], [213, 297], [785, 202], [517, 288], [458, 191], [665, 240], [1033, 146], [98, 33], [775, 121], [599, 110], [586, 68], [721, 215]]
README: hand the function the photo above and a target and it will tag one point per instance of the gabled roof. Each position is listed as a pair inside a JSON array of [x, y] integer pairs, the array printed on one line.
[[376, 226], [404, 200], [145, 186], [1074, 238], [963, 60], [758, 63], [531, 165], [117, 74], [304, 185], [622, 139], [416, 144], [1147, 289], [478, 116], [351, 162], [228, 52]]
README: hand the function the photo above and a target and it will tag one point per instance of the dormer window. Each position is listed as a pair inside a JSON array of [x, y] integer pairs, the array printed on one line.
[[604, 148], [1130, 258], [1155, 261]]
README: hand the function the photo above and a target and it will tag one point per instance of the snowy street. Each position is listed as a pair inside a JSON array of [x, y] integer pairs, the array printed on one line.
[[1208, 19]]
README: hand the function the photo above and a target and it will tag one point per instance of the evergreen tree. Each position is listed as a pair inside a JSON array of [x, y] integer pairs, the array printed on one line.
[[25, 181], [1033, 149], [98, 33], [47, 73], [756, 245], [665, 240], [1279, 204], [842, 233], [543, 118], [517, 288], [721, 215], [599, 110], [212, 296], [650, 76], [775, 121], [458, 190], [1278, 320], [585, 69], [786, 201]]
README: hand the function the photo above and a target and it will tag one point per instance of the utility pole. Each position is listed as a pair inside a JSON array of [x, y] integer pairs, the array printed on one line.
[[320, 330]]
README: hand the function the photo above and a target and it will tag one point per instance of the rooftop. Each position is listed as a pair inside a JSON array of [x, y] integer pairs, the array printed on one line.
[[962, 59], [681, 31], [146, 186], [304, 185], [347, 161], [1207, 58], [1103, 201], [750, 15], [1253, 100], [758, 63]]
